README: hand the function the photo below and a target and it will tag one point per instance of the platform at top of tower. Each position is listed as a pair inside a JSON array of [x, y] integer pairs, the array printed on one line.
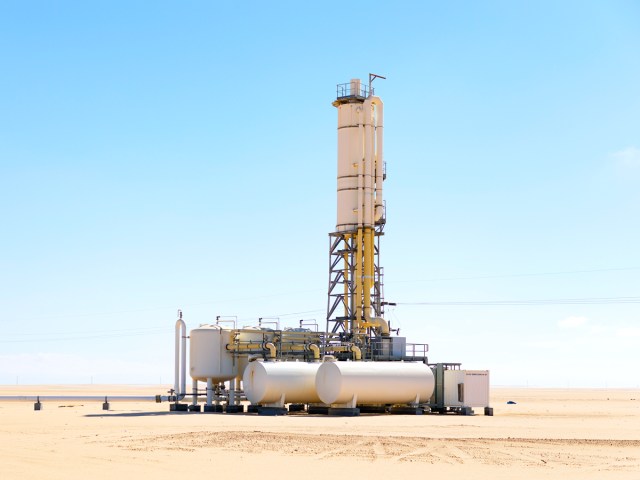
[[350, 93]]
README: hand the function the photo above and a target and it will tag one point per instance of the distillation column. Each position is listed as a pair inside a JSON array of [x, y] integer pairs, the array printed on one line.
[[355, 279]]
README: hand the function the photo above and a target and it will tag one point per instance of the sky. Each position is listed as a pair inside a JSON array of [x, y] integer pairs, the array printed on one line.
[[157, 156]]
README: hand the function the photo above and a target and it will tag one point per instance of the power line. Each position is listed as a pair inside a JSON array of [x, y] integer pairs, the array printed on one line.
[[245, 299], [514, 275], [557, 301], [149, 309], [82, 334], [62, 337], [97, 332], [298, 313]]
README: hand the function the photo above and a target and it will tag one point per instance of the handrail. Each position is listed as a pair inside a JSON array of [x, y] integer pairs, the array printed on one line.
[[345, 90]]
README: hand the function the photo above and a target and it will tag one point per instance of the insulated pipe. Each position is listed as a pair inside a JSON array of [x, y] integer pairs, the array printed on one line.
[[360, 171], [379, 156], [244, 347], [368, 271], [374, 152], [357, 353], [361, 220], [316, 352], [370, 191], [382, 325], [272, 349], [347, 280], [180, 379], [359, 287], [345, 348], [368, 169]]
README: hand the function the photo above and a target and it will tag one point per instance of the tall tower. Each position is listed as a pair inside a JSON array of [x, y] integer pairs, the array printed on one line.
[[355, 302]]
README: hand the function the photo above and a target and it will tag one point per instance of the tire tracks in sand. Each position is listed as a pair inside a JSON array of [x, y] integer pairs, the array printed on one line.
[[613, 455]]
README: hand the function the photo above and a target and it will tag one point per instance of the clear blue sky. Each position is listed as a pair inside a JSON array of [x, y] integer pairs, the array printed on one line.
[[165, 155]]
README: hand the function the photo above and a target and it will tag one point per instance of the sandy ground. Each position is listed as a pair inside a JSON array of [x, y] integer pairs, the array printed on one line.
[[548, 433]]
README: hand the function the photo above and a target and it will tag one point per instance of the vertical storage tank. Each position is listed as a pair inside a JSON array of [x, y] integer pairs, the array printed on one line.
[[360, 158], [208, 355]]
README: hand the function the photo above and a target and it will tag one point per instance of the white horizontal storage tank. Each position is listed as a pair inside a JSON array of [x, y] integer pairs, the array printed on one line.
[[374, 382], [208, 355], [280, 382]]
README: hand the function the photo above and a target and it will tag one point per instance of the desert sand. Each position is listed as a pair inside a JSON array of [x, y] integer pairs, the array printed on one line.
[[548, 433]]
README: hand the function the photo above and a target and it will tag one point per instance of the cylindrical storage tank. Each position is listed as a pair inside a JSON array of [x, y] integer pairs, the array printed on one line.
[[374, 382], [350, 155], [208, 355], [266, 382]]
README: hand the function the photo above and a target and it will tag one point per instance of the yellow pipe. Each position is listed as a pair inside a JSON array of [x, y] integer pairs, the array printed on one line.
[[272, 349], [359, 275], [244, 346], [345, 261], [338, 348], [357, 353], [368, 272], [316, 351], [252, 347], [380, 324], [293, 347]]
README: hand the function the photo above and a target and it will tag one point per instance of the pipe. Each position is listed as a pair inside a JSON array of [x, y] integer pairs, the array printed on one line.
[[272, 349], [316, 352], [368, 271], [209, 391], [86, 398], [373, 182], [244, 347], [360, 165], [380, 324], [357, 353], [346, 272], [345, 348], [369, 161], [361, 221], [194, 390], [233, 388], [180, 379], [356, 326], [379, 157]]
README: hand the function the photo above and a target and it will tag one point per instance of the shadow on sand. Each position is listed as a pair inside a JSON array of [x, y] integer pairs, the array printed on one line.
[[133, 414]]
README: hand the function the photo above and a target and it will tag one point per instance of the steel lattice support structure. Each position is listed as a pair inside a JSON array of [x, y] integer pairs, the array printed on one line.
[[345, 308]]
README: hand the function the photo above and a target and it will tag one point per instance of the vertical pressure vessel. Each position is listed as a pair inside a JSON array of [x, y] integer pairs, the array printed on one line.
[[208, 355]]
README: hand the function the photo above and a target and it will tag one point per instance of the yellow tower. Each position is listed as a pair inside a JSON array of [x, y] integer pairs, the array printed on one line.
[[355, 303]]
